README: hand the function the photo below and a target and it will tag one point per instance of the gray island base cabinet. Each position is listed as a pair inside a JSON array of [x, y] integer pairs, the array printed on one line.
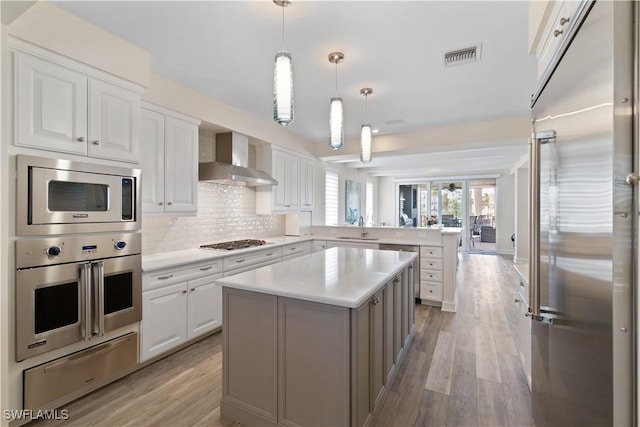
[[293, 362]]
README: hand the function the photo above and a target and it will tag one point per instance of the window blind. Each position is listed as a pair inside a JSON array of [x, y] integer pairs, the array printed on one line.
[[331, 198]]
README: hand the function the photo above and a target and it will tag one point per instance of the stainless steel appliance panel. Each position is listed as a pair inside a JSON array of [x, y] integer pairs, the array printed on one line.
[[51, 381], [119, 294], [49, 192], [582, 205]]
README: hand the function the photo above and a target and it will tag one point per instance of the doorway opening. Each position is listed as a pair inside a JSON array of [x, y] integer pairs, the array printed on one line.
[[482, 217]]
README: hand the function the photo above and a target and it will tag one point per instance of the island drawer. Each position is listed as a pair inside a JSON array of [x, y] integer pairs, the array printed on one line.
[[431, 275], [431, 264], [234, 262], [430, 252], [179, 274], [431, 291], [297, 248]]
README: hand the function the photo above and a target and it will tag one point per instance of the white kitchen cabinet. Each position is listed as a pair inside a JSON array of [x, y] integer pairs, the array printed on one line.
[[164, 314], [178, 305], [306, 184], [293, 250], [286, 170], [549, 22], [431, 274], [60, 109], [523, 326], [170, 164], [204, 306], [294, 173]]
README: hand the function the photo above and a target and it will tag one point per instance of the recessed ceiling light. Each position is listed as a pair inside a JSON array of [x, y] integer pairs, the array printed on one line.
[[375, 130]]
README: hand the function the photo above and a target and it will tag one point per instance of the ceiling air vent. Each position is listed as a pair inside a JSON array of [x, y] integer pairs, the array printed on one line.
[[462, 56]]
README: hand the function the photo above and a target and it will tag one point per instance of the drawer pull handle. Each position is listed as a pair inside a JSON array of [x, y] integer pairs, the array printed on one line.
[[375, 301], [184, 292], [95, 142], [165, 277], [516, 300], [292, 249], [205, 268], [556, 33], [240, 260], [80, 139], [193, 289], [564, 20], [269, 254]]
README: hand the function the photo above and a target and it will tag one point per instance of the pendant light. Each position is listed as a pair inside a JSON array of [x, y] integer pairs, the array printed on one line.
[[365, 130], [336, 117], [283, 80]]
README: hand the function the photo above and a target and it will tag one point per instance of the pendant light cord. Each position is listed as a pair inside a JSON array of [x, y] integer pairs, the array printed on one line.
[[365, 109], [336, 78], [283, 29]]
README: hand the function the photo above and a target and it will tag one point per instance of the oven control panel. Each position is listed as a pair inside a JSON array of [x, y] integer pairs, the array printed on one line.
[[57, 250]]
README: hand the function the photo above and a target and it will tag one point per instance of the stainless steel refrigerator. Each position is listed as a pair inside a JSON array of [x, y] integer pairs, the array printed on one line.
[[582, 218]]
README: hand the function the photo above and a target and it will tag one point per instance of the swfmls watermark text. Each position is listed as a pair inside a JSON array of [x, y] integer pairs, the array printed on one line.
[[30, 414]]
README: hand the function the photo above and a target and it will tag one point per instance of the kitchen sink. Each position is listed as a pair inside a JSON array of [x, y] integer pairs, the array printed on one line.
[[359, 238]]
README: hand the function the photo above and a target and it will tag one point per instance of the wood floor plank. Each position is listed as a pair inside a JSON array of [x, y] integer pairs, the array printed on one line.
[[486, 357], [518, 405], [433, 409], [491, 404], [440, 371], [463, 404]]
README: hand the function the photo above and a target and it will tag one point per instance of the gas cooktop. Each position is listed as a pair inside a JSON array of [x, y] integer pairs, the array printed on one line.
[[235, 244]]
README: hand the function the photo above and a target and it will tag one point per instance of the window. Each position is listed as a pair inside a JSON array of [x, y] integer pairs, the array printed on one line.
[[331, 198], [368, 201]]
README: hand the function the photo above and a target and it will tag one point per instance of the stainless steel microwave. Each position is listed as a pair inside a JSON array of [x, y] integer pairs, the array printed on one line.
[[61, 197]]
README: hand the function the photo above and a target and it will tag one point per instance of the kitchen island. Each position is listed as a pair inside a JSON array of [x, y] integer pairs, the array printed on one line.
[[315, 340]]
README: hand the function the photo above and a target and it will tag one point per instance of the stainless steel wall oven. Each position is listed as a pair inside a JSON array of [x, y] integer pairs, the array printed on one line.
[[58, 196], [72, 288]]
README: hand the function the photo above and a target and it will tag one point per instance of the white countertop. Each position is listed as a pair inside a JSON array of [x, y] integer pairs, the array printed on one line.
[[344, 277]]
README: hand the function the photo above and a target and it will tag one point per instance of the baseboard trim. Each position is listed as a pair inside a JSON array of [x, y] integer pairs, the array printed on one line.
[[450, 306]]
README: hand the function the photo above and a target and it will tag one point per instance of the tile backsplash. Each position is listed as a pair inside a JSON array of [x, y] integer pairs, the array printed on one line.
[[225, 212]]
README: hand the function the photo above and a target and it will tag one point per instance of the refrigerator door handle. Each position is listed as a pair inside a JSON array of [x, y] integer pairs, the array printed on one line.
[[98, 315], [537, 139], [86, 303]]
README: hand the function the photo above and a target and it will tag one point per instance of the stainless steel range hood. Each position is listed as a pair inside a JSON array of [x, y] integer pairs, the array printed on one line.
[[231, 165]]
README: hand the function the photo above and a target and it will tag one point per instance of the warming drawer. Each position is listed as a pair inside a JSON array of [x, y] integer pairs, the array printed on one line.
[[54, 380]]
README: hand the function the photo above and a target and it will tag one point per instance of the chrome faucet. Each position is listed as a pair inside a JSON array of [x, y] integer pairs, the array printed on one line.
[[361, 225]]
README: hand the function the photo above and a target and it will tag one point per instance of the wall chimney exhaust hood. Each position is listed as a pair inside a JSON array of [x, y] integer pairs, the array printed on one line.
[[231, 165]]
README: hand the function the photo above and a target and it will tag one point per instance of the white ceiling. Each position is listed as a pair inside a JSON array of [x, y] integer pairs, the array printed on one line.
[[225, 49]]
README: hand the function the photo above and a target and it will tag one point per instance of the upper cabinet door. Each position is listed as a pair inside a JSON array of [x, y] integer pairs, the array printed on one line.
[[152, 163], [293, 182], [306, 184], [51, 110], [114, 121], [181, 165], [279, 170]]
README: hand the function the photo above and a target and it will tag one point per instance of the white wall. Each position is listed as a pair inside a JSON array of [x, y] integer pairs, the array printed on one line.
[[387, 201], [505, 215], [522, 215]]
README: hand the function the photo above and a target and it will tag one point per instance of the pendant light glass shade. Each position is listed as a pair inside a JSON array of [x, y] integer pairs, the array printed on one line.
[[336, 124], [283, 89], [365, 144]]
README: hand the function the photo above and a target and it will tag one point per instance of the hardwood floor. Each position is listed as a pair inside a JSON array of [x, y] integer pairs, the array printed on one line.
[[461, 370]]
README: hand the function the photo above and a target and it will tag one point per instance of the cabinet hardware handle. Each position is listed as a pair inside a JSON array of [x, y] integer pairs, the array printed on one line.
[[269, 254], [375, 301], [184, 292], [522, 284], [193, 289], [80, 139], [564, 20], [169, 203], [292, 249], [205, 268], [556, 33], [516, 300], [165, 277], [95, 142], [240, 260], [160, 203]]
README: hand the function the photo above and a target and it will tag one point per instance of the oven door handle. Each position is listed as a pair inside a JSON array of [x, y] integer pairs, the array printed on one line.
[[98, 312], [87, 301]]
